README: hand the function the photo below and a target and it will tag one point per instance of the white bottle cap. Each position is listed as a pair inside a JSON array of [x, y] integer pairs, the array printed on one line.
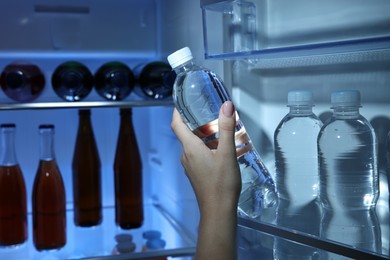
[[299, 98], [180, 57], [345, 98]]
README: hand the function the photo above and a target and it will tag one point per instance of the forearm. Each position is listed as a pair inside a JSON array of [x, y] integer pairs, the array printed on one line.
[[217, 234]]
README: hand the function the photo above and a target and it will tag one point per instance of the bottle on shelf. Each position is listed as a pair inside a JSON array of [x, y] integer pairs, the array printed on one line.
[[114, 81], [128, 175], [153, 242], [198, 94], [22, 81], [48, 197], [13, 205], [124, 244], [388, 163], [86, 175], [349, 185], [297, 181], [154, 80], [72, 81]]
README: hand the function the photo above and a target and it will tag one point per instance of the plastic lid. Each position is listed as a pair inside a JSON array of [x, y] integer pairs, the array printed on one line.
[[180, 57], [120, 238], [154, 244], [344, 98], [151, 234], [299, 98], [125, 247]]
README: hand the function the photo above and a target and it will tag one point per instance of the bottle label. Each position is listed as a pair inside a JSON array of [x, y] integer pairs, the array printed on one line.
[[209, 135]]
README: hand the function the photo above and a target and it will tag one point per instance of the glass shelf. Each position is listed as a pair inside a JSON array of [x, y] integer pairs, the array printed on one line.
[[84, 104], [280, 29], [98, 242]]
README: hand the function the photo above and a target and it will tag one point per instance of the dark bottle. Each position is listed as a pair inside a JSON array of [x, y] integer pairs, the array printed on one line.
[[128, 175], [22, 82], [86, 170], [114, 81], [48, 198], [13, 206], [154, 80], [72, 81]]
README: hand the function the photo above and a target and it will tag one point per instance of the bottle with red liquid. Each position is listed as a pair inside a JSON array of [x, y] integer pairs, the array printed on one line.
[[86, 173], [22, 81], [114, 81], [128, 175], [48, 198], [13, 206], [154, 80]]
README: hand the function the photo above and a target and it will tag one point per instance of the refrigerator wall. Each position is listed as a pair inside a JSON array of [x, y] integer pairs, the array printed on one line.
[[271, 47]]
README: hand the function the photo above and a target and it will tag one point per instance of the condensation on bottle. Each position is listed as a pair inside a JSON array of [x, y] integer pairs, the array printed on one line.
[[198, 94], [22, 81], [349, 185], [297, 182], [72, 81], [13, 198], [114, 81]]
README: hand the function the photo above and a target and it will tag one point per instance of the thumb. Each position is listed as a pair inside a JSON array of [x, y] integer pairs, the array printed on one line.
[[226, 125]]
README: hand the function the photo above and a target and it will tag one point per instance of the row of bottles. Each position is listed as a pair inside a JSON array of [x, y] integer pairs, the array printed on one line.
[[48, 196], [73, 81], [326, 175]]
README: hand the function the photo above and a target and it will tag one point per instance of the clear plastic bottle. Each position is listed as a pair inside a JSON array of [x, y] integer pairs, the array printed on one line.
[[13, 205], [388, 162], [22, 81], [297, 181], [349, 185], [86, 175], [114, 81], [48, 198], [198, 94], [72, 81]]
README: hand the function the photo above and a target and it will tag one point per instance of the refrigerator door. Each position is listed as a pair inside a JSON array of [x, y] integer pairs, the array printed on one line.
[[272, 47]]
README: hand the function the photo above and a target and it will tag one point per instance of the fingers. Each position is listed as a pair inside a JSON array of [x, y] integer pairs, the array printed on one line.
[[181, 130], [226, 124]]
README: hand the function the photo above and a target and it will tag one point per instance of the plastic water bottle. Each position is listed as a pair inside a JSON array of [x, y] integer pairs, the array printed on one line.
[[198, 94], [349, 185], [297, 181], [388, 162]]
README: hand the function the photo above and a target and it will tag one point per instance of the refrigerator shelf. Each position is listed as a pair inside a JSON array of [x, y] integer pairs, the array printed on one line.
[[98, 242], [274, 29], [84, 104], [265, 228]]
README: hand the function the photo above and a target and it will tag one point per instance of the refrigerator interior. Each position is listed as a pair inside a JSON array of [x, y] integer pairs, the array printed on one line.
[[48, 33], [271, 47]]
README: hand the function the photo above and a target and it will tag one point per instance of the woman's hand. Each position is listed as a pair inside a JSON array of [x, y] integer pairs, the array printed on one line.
[[215, 178]]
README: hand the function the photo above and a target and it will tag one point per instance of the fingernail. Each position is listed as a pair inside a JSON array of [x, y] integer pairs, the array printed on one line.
[[228, 108]]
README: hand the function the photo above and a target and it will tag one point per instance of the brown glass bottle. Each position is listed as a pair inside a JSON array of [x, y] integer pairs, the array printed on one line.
[[128, 175], [22, 82], [48, 199], [13, 206], [86, 173]]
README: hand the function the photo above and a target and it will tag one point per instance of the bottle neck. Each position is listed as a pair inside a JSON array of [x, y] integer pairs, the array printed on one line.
[[46, 144], [85, 120], [8, 157], [184, 67], [301, 110], [346, 112]]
